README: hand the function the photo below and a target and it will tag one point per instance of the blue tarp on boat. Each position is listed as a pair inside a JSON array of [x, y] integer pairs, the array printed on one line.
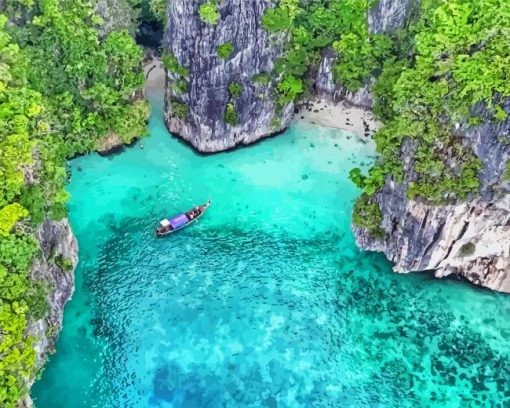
[[178, 221]]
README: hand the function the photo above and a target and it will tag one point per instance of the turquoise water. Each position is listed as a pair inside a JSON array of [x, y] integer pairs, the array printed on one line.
[[265, 302]]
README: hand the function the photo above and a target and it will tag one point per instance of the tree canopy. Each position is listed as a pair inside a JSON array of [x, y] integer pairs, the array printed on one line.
[[63, 89]]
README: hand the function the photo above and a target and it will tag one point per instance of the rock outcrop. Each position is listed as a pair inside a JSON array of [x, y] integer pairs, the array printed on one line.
[[55, 267], [326, 87], [469, 239], [390, 15], [194, 43]]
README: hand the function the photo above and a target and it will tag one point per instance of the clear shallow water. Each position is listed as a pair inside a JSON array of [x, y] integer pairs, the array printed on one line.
[[266, 302]]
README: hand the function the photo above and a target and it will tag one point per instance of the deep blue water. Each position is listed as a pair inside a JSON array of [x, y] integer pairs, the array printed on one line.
[[266, 301]]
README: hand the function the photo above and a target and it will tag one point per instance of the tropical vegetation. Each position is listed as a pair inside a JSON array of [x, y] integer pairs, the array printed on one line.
[[65, 85], [429, 78], [458, 68], [230, 114], [225, 50]]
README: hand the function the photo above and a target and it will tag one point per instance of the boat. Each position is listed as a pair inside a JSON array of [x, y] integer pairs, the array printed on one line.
[[180, 221]]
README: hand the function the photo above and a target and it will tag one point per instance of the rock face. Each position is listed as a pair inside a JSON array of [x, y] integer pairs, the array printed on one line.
[[194, 44], [389, 15], [57, 243], [326, 87], [117, 15], [470, 239]]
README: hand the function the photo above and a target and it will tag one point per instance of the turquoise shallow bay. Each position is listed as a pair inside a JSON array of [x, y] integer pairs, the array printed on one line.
[[266, 302]]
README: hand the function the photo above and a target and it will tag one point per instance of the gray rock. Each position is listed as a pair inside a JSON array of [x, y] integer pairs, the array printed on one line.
[[117, 15], [469, 239], [390, 15], [56, 239], [194, 43]]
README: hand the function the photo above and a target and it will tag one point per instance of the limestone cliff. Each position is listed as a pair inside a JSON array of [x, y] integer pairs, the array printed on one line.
[[55, 266], [469, 239], [194, 43]]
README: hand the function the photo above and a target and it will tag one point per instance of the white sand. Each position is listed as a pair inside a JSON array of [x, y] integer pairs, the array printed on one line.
[[339, 116], [154, 76]]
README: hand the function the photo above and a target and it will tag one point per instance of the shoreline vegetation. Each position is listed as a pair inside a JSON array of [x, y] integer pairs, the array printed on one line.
[[69, 81], [317, 111]]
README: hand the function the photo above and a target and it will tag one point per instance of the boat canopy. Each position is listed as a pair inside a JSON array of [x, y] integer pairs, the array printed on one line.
[[165, 223], [178, 221]]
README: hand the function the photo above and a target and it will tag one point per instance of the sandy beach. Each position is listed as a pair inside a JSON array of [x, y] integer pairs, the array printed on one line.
[[339, 116], [154, 76]]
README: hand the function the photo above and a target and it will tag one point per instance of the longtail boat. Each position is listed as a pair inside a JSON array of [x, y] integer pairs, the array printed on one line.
[[180, 221]]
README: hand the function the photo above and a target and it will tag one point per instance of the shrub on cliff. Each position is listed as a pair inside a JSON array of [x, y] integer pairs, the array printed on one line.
[[261, 79], [235, 89], [179, 109], [338, 24], [288, 89], [225, 50], [230, 114], [171, 63], [467, 249], [367, 214], [208, 13]]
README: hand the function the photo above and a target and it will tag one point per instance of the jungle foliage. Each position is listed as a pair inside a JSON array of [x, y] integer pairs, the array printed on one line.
[[171, 63], [63, 88], [460, 59], [310, 27], [368, 215]]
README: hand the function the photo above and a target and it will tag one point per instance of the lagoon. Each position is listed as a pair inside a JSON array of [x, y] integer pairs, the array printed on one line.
[[266, 301]]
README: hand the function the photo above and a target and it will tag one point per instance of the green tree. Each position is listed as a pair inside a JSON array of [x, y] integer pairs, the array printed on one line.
[[230, 114]]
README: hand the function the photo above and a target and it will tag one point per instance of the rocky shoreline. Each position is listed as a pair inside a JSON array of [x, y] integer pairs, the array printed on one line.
[[55, 266], [470, 239]]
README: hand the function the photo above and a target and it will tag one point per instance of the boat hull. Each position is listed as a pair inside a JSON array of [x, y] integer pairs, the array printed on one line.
[[161, 234]]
